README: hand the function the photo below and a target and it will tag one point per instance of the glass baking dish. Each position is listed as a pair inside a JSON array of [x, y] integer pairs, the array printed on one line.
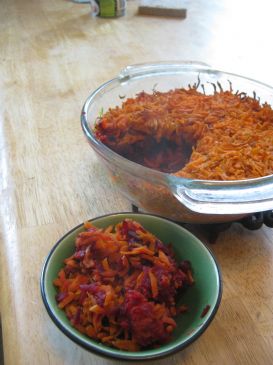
[[180, 199]]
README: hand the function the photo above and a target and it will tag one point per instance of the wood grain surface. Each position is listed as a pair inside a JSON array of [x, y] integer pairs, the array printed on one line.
[[52, 55]]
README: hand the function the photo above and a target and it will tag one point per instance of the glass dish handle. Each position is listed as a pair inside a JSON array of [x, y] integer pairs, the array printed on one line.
[[238, 197], [160, 67]]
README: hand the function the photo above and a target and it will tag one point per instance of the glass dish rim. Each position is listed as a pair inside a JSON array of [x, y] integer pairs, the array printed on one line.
[[150, 173]]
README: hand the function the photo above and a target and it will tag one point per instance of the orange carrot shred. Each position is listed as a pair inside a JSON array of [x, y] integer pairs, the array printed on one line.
[[154, 286]]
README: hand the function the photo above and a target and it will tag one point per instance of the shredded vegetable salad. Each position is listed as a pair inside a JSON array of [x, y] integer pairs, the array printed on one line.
[[120, 286]]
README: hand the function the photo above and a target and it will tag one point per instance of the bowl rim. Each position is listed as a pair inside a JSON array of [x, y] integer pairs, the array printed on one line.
[[123, 356]]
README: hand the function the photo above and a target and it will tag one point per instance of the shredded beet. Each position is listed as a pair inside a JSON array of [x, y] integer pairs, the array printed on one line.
[[205, 311]]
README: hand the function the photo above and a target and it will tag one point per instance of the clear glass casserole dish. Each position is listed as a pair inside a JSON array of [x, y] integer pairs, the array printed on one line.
[[180, 199]]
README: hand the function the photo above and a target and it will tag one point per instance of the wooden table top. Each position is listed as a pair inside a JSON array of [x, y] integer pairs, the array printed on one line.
[[52, 55]]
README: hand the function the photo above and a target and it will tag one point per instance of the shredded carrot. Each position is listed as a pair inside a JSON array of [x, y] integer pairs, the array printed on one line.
[[154, 286], [139, 279], [128, 345], [96, 309], [87, 225], [139, 250], [169, 320], [119, 286], [163, 257], [219, 136], [105, 264], [190, 277]]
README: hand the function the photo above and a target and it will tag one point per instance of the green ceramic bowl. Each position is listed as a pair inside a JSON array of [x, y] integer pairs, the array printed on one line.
[[206, 291]]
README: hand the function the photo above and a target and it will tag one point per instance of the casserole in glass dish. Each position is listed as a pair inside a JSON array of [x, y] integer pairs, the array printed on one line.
[[177, 198]]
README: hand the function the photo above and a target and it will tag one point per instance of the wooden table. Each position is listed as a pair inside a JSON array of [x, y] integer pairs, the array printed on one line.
[[52, 55]]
